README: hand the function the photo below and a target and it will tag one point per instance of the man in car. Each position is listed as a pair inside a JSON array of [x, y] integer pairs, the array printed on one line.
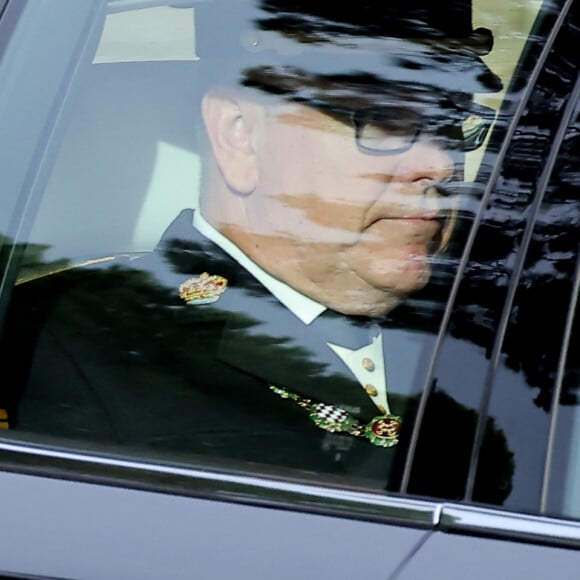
[[256, 330]]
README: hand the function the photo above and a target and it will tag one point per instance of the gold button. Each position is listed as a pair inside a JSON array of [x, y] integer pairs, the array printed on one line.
[[381, 409], [368, 364], [371, 391]]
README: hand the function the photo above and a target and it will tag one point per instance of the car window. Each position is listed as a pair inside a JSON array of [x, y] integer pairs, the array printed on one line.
[[284, 237], [560, 494], [515, 301], [537, 343]]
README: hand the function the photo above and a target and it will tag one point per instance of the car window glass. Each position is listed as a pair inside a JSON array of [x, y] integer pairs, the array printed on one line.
[[522, 271], [527, 379], [560, 394], [513, 302], [248, 228]]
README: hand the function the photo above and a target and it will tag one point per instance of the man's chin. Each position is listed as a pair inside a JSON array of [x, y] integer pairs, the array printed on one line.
[[401, 277]]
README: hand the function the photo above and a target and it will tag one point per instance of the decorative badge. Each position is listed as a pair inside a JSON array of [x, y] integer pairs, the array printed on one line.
[[384, 430], [203, 290]]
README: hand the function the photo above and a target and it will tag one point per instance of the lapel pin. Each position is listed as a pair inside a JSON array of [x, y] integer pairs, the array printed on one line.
[[204, 289]]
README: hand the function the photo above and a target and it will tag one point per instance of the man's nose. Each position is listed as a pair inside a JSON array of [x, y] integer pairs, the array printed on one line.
[[426, 162]]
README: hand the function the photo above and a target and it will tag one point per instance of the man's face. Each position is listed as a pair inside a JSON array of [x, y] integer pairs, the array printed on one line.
[[350, 229]]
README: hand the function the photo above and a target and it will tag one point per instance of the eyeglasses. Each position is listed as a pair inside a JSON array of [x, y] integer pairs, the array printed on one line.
[[393, 129]]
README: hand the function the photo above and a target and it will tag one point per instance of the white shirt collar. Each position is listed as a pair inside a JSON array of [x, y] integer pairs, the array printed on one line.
[[300, 305]]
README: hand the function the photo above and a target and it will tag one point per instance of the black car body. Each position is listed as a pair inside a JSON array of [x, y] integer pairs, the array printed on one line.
[[98, 153]]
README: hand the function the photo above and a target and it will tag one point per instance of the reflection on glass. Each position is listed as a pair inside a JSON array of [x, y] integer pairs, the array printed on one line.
[[289, 319]]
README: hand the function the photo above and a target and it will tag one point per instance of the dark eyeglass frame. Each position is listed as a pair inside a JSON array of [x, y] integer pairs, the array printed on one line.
[[448, 131]]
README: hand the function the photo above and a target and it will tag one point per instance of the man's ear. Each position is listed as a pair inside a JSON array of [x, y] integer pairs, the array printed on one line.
[[230, 130]]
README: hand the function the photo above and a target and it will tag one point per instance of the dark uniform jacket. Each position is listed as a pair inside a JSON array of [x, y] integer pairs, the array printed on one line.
[[111, 353]]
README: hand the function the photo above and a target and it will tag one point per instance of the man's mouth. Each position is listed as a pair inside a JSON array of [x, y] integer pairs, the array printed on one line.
[[425, 224]]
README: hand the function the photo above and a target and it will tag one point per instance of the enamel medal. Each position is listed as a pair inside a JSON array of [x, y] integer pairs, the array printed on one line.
[[203, 289]]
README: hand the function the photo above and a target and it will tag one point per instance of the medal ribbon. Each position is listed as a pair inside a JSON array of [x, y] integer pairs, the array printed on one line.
[[382, 431]]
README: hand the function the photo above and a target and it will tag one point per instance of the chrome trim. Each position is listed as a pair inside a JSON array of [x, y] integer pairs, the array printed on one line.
[[559, 385], [217, 484], [221, 485], [510, 525], [3, 4]]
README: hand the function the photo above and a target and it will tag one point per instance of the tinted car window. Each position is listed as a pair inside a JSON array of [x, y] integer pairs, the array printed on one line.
[[515, 301], [559, 392], [286, 236]]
